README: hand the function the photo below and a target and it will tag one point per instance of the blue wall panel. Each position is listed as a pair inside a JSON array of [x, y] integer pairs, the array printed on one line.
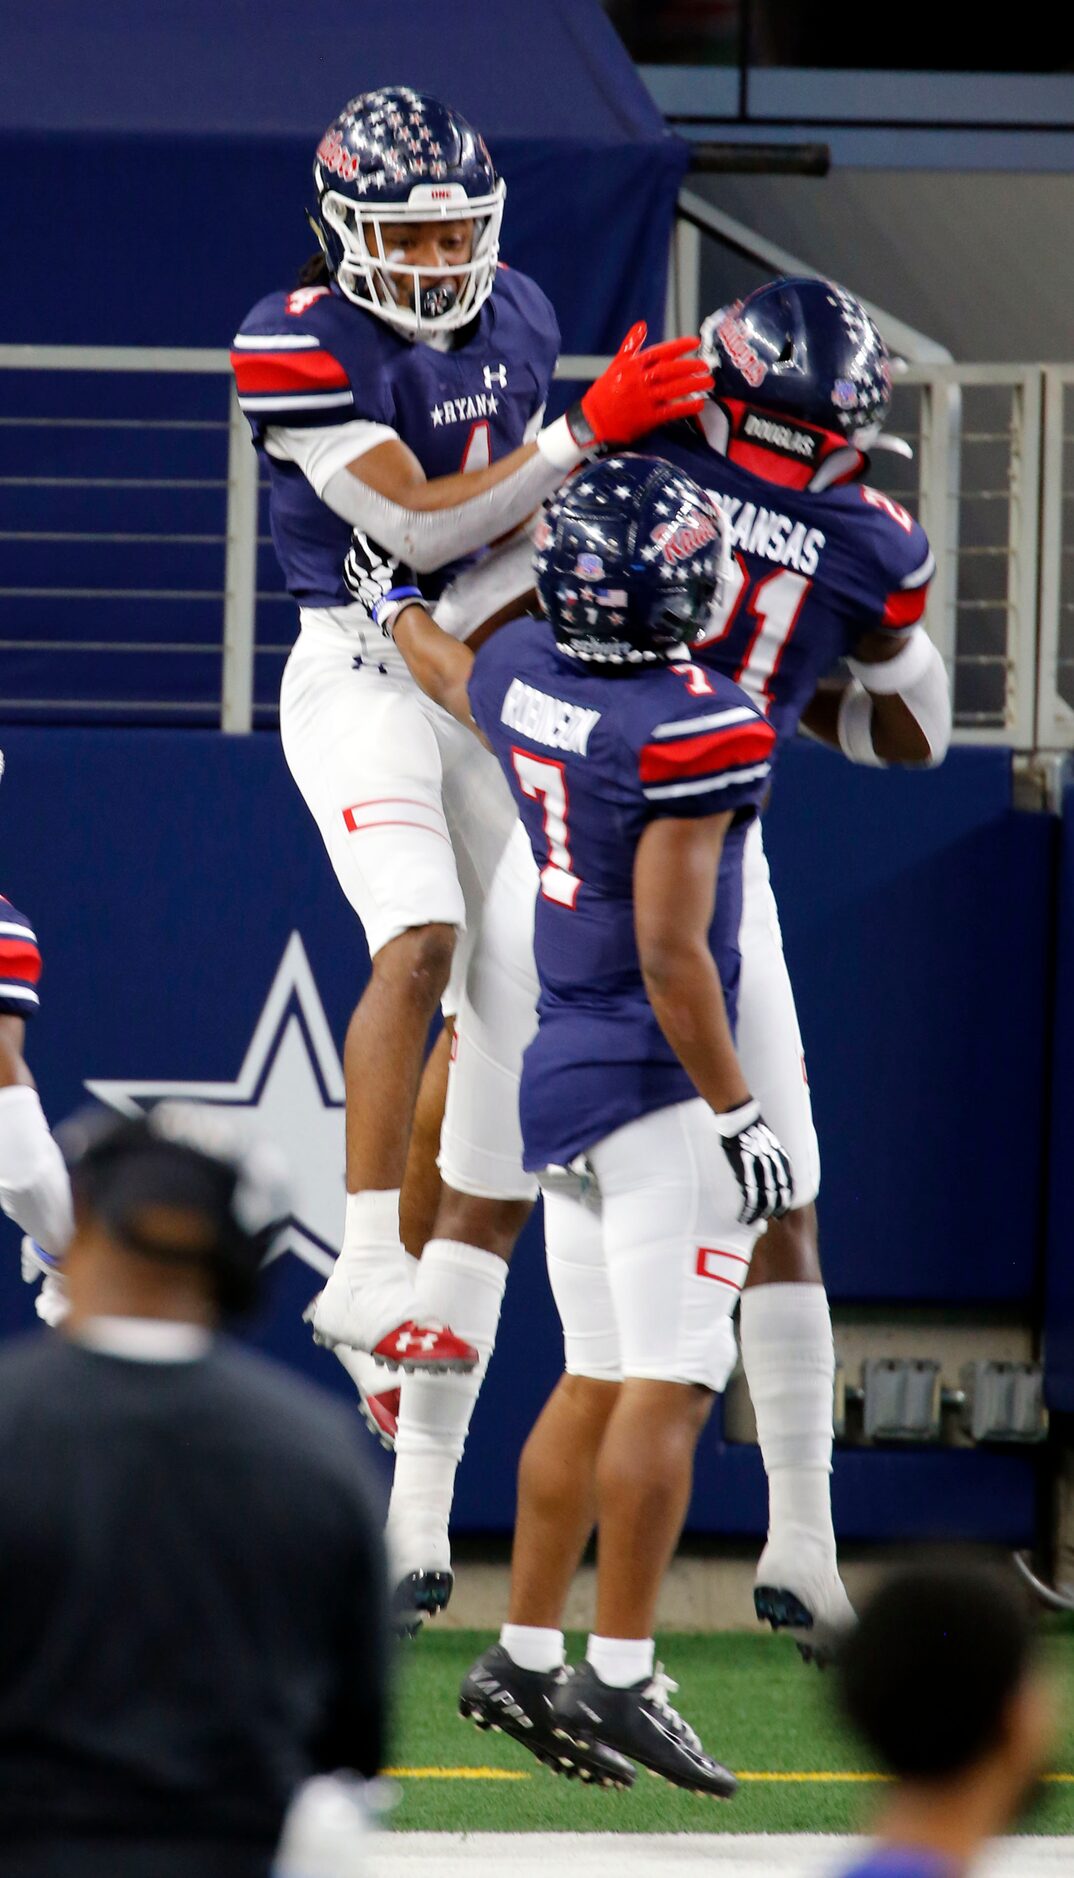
[[1059, 1309], [167, 872]]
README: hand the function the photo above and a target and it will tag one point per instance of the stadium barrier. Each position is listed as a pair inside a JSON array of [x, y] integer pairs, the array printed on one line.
[[139, 582]]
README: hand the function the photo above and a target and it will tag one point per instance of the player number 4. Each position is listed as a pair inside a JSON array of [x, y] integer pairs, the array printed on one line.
[[545, 781]]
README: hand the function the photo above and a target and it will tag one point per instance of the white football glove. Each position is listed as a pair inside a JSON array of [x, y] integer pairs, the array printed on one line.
[[758, 1162], [51, 1303]]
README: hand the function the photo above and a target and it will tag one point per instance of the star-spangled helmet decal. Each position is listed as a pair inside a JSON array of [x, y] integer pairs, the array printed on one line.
[[396, 156], [649, 545]]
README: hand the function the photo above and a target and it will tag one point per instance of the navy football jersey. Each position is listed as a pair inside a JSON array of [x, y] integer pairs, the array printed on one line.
[[812, 572], [311, 358], [591, 760], [20, 963]]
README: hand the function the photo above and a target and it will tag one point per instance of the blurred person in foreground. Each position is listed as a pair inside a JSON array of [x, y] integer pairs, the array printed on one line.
[[941, 1681], [191, 1575]]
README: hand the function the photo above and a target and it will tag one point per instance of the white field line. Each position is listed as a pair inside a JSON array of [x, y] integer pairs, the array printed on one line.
[[681, 1855]]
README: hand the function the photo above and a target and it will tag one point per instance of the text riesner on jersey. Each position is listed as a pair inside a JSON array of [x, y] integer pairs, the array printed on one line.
[[547, 720]]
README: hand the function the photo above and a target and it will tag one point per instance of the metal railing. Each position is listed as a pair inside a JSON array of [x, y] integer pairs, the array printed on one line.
[[147, 515]]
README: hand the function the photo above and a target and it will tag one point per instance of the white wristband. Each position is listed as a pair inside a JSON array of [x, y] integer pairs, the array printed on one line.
[[559, 446], [733, 1121], [890, 676], [855, 726]]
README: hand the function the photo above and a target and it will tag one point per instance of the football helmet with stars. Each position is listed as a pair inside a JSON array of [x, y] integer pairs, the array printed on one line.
[[398, 156], [629, 560], [802, 381]]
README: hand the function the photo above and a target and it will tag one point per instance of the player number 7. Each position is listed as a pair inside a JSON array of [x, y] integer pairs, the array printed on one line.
[[544, 780]]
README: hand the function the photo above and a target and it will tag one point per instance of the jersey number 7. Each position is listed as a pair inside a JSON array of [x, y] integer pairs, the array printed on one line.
[[544, 780]]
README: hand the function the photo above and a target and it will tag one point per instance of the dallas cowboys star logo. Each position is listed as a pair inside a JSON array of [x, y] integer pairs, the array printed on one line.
[[289, 1091]]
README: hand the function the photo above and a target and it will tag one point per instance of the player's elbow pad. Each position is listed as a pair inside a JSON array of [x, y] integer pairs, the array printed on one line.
[[428, 540], [918, 676]]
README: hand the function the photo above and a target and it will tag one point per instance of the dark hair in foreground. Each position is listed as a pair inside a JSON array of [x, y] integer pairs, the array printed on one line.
[[928, 1673]]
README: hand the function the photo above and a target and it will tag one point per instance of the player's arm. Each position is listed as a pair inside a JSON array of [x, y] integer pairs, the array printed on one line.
[[896, 707], [675, 873], [440, 664], [385, 493]]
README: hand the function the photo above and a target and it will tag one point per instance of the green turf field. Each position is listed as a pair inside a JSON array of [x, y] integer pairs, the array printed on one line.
[[755, 1705]]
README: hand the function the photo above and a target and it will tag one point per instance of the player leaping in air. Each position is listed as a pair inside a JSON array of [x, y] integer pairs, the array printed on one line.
[[397, 400], [637, 777]]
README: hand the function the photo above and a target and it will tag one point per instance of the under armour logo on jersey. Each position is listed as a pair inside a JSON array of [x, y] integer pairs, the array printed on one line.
[[494, 375]]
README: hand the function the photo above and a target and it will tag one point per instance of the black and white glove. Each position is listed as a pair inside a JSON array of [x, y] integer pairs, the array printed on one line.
[[758, 1162], [371, 574]]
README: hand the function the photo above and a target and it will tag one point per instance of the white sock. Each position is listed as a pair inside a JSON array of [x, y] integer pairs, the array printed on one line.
[[789, 1360], [463, 1286], [621, 1661], [530, 1648], [372, 1264], [34, 1187]]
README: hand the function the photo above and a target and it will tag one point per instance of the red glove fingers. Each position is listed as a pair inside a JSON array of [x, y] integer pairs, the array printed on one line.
[[642, 389]]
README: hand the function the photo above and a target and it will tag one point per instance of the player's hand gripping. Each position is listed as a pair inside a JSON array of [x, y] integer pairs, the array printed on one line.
[[643, 387], [758, 1162]]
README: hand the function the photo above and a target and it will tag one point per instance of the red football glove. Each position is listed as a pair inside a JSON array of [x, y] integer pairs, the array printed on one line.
[[640, 390]]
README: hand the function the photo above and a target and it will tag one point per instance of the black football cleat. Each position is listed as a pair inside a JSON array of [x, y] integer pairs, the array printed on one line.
[[641, 1722], [518, 1702], [417, 1596]]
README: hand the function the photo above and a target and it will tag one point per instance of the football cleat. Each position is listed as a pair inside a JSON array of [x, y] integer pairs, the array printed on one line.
[[417, 1596], [335, 1316], [640, 1722], [812, 1605], [378, 1407], [497, 1694]]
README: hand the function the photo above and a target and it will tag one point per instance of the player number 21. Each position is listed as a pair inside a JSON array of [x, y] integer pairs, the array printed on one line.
[[544, 780], [773, 606]]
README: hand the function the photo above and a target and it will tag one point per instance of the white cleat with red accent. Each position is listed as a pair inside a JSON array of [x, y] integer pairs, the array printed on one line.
[[377, 1406], [375, 1315]]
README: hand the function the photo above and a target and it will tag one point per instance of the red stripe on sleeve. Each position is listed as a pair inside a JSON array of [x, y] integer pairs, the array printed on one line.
[[288, 371], [905, 607], [19, 958], [733, 748]]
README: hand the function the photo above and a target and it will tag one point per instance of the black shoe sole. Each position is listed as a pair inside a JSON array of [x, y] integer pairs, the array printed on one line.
[[417, 1596], [776, 1606], [566, 1765], [584, 1742]]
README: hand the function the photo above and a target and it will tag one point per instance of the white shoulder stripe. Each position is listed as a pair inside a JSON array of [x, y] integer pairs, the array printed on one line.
[[921, 574], [276, 342], [297, 401], [18, 991], [726, 779], [10, 929], [689, 726]]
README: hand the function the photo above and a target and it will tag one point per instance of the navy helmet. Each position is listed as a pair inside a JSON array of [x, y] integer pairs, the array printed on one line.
[[800, 370], [629, 561], [394, 156]]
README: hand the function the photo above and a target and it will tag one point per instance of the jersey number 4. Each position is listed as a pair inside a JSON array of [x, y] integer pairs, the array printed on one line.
[[773, 605], [544, 780]]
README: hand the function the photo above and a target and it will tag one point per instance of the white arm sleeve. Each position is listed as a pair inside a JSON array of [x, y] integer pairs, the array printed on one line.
[[426, 540], [34, 1188], [918, 676]]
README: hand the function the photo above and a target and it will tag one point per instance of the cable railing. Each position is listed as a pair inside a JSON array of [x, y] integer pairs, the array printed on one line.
[[138, 582]]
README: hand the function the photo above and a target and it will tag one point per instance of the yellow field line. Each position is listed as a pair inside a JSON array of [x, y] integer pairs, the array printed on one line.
[[453, 1773], [816, 1778]]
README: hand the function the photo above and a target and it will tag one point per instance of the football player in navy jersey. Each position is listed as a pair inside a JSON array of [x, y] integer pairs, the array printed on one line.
[[34, 1188], [397, 397], [824, 568], [637, 777]]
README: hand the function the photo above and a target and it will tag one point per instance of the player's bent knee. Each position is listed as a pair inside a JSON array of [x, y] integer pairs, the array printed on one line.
[[418, 961], [787, 1251]]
